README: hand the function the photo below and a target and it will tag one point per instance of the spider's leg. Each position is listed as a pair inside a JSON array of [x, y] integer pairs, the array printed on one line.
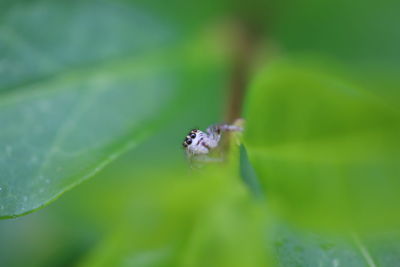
[[218, 128], [229, 128]]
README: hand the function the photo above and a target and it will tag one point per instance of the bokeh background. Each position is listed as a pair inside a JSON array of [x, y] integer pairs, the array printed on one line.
[[107, 90]]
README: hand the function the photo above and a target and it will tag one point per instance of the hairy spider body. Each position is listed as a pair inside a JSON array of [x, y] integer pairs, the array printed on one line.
[[198, 142]]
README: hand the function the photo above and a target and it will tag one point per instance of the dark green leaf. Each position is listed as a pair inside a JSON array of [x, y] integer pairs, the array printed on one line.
[[80, 82], [248, 174]]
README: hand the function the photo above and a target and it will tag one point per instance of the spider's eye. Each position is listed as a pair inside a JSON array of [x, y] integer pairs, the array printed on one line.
[[188, 141], [193, 136]]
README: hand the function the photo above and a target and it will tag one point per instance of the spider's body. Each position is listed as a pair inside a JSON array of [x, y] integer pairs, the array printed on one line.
[[198, 142]]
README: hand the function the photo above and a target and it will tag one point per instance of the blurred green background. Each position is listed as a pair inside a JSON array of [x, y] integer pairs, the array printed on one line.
[[107, 90]]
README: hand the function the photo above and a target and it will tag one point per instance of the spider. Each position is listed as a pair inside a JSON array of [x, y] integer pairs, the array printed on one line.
[[200, 143]]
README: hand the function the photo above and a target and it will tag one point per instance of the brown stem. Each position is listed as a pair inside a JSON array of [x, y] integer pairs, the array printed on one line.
[[245, 47]]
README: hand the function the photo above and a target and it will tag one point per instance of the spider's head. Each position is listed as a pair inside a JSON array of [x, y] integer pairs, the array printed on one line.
[[193, 142], [190, 138]]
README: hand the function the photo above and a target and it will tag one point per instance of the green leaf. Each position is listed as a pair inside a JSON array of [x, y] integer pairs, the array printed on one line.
[[248, 174], [326, 150], [80, 83]]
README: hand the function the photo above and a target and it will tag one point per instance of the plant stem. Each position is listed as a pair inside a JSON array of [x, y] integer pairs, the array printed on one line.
[[245, 48]]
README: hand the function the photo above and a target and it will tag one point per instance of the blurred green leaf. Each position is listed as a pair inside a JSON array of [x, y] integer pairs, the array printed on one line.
[[326, 150], [196, 218], [359, 31]]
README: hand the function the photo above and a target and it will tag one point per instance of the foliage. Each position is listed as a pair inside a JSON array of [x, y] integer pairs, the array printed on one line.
[[108, 89]]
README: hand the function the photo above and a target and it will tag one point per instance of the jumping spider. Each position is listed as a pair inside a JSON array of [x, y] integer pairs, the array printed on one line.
[[201, 143]]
